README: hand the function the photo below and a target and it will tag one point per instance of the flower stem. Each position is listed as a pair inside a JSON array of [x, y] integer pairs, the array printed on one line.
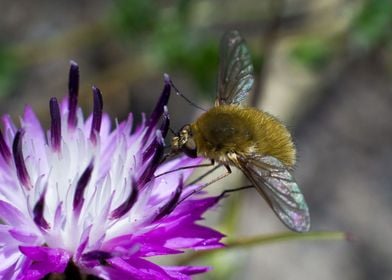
[[286, 236], [268, 239]]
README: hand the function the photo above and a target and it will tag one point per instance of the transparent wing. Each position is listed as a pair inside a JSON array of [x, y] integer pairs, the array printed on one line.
[[277, 185], [235, 78]]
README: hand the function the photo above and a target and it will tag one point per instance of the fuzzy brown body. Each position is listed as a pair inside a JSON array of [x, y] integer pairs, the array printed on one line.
[[253, 141], [229, 129]]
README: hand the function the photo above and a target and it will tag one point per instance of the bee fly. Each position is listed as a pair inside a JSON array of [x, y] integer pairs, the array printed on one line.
[[247, 138]]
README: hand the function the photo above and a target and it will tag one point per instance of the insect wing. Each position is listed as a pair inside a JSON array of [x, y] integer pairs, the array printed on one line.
[[277, 185], [235, 79]]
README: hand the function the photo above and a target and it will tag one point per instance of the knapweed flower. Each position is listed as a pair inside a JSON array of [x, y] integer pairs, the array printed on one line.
[[82, 199]]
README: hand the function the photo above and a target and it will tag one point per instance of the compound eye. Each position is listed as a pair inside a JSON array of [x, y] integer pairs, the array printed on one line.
[[190, 148], [190, 144]]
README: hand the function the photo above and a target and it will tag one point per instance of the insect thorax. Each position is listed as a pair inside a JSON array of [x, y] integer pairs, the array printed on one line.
[[233, 129], [222, 130]]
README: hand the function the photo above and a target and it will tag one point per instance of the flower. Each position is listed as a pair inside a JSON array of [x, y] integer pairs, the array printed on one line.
[[83, 199]]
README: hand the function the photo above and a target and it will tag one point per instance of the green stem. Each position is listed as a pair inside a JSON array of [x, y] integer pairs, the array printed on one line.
[[285, 236], [267, 239]]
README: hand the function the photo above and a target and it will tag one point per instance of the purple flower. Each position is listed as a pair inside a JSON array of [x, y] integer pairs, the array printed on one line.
[[82, 198]]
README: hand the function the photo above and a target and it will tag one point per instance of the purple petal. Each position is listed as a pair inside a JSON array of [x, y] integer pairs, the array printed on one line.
[[73, 90], [58, 216], [24, 236], [174, 234], [97, 114], [9, 126], [83, 242], [166, 122], [153, 163], [36, 140], [180, 230], [96, 257], [194, 236], [5, 235], [4, 149], [21, 170], [32, 127], [125, 241], [159, 108], [172, 203], [44, 260], [135, 268], [11, 215], [194, 208], [111, 144], [177, 271], [150, 150], [145, 245], [55, 127], [177, 237], [106, 127], [38, 213], [127, 204], [80, 187], [8, 262]]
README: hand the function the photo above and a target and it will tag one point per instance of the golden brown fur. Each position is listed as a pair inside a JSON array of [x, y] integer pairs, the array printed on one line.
[[227, 129]]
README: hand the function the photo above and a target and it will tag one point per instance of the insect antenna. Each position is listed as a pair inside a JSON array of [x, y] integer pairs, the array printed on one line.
[[183, 96]]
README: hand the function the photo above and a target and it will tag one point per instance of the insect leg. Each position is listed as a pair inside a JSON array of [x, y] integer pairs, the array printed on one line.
[[187, 167], [166, 157], [201, 177], [201, 187], [236, 189]]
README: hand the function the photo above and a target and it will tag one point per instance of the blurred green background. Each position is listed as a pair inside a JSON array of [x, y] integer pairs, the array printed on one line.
[[323, 67]]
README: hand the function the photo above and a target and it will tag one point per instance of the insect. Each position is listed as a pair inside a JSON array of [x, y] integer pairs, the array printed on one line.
[[247, 138]]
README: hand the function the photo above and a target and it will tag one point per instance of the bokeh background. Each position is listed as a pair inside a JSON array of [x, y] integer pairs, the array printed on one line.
[[323, 67]]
